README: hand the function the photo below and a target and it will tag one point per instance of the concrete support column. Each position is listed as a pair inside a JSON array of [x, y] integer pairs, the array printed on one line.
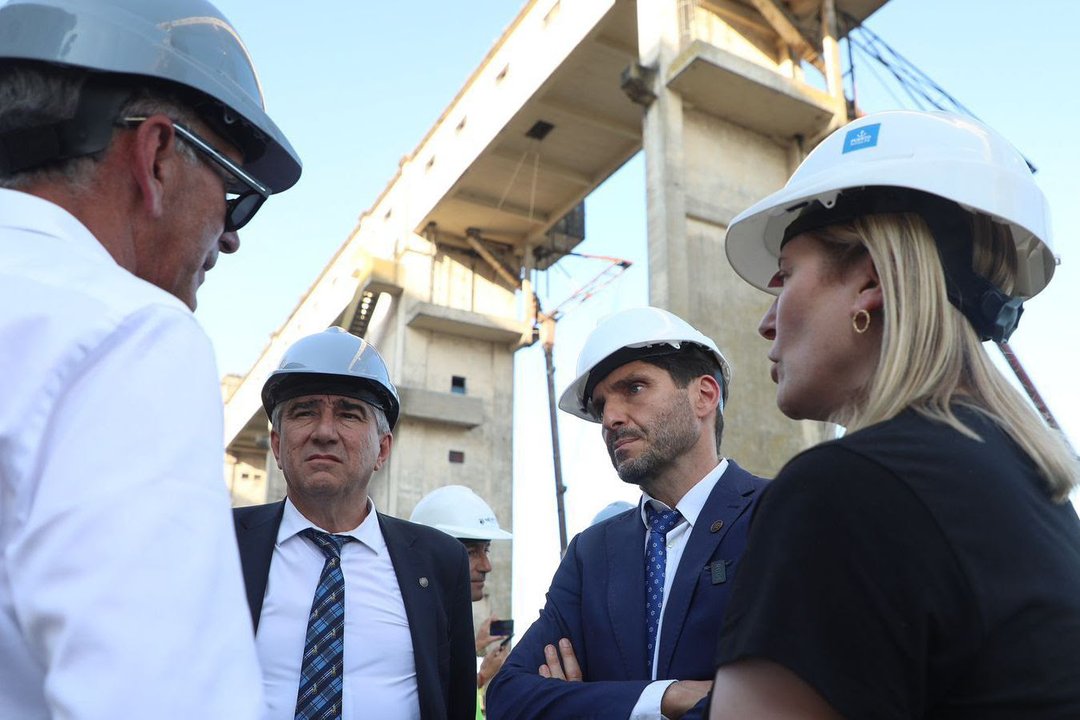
[[701, 170], [834, 71], [659, 36]]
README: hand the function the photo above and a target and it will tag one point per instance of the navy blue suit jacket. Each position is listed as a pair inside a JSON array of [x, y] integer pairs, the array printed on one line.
[[432, 570], [597, 600]]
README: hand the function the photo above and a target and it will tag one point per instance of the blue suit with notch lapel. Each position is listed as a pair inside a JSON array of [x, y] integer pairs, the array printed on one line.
[[439, 612], [597, 600]]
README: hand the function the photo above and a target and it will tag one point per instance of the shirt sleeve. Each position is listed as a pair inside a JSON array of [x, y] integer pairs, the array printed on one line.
[[125, 576], [648, 705], [849, 583]]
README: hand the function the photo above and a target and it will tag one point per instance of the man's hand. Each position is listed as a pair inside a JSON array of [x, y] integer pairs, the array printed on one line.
[[484, 638], [683, 695], [491, 664], [568, 669]]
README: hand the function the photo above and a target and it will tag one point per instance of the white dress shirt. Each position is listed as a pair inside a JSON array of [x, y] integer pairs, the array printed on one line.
[[379, 677], [648, 705], [120, 586]]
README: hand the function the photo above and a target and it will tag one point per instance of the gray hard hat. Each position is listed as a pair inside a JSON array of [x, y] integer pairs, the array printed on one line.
[[333, 362], [187, 44]]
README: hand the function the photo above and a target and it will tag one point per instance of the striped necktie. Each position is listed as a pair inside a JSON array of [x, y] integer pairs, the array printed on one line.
[[319, 694]]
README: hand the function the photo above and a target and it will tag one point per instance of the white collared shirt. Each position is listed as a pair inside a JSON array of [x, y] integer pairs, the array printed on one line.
[[120, 586], [380, 670], [690, 506]]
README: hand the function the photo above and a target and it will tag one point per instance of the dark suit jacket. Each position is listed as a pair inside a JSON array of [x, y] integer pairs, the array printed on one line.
[[439, 608], [597, 600]]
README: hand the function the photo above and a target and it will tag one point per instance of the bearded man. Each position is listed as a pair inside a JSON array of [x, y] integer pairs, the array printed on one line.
[[621, 634]]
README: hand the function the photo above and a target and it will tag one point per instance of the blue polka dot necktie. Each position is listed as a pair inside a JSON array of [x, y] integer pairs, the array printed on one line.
[[319, 694], [661, 523]]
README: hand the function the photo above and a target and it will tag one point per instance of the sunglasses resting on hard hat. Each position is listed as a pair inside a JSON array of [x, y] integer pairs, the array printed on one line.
[[247, 193]]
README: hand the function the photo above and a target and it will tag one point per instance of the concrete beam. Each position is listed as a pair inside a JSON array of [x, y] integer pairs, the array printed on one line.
[[735, 89], [463, 323], [441, 407], [492, 203], [785, 27], [593, 119], [617, 46], [548, 168]]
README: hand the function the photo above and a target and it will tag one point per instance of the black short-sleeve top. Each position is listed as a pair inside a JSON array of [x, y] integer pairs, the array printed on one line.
[[909, 571]]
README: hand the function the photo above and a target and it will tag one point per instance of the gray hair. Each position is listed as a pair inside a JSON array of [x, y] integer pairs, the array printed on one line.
[[34, 94], [382, 425]]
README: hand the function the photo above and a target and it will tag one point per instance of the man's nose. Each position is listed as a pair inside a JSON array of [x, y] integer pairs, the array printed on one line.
[[767, 326], [325, 426], [613, 416], [229, 242]]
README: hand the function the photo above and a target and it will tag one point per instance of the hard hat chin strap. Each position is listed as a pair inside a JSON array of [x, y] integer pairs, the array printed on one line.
[[992, 313]]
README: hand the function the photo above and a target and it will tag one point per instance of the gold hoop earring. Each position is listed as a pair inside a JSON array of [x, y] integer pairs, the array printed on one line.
[[861, 321]]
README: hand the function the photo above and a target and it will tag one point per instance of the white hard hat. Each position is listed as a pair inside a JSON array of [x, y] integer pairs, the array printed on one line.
[[937, 153], [188, 44], [458, 511], [644, 332], [334, 362]]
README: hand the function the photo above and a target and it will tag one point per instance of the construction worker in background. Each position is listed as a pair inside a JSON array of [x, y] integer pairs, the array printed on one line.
[[620, 635], [927, 563], [461, 513], [133, 147], [357, 614]]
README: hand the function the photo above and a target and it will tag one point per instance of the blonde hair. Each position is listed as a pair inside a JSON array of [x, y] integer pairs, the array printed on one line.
[[931, 357]]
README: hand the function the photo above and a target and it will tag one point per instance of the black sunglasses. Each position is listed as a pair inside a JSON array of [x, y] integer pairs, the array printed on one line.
[[248, 194]]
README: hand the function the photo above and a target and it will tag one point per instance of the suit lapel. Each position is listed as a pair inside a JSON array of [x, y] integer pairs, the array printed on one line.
[[256, 535], [399, 541], [624, 544], [728, 500], [418, 595]]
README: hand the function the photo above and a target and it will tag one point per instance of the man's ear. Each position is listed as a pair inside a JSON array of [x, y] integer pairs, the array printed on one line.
[[386, 444], [275, 445], [154, 156], [706, 397]]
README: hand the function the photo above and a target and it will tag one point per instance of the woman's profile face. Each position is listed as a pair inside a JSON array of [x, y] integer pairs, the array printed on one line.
[[818, 360]]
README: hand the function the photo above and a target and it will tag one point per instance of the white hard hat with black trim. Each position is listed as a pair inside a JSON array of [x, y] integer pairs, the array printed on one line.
[[460, 512], [187, 44], [935, 154], [333, 362], [629, 335]]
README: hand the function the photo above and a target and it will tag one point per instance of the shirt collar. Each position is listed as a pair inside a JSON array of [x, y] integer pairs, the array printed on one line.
[[693, 501], [367, 532], [30, 213]]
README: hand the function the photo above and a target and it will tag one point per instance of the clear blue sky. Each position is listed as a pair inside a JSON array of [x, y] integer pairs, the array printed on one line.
[[357, 84]]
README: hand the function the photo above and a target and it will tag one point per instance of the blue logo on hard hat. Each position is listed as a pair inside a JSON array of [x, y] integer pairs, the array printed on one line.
[[861, 138]]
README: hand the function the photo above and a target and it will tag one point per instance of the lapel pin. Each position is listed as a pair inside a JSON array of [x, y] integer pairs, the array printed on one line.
[[716, 526], [423, 582]]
